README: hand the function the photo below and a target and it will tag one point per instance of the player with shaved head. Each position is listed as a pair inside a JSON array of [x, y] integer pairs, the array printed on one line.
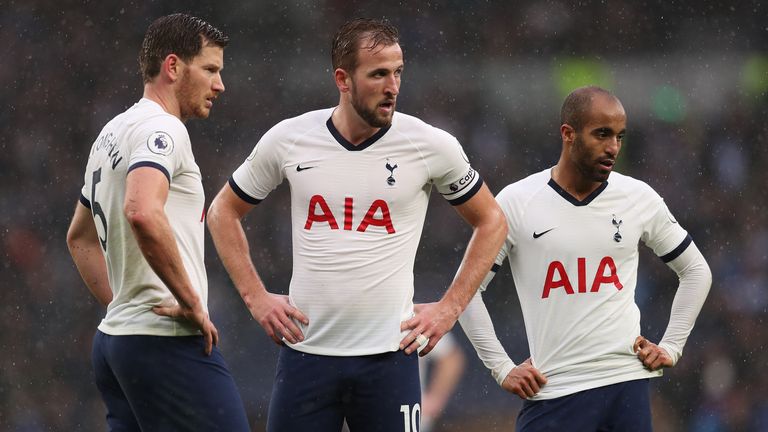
[[572, 245]]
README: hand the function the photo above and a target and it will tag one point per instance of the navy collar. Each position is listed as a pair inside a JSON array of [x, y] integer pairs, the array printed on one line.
[[571, 199], [348, 145]]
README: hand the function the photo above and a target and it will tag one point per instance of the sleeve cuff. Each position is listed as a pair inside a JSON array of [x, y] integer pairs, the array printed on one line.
[[673, 353], [500, 373]]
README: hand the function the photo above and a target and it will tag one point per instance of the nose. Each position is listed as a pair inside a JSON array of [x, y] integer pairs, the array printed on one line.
[[613, 147], [392, 86], [218, 84]]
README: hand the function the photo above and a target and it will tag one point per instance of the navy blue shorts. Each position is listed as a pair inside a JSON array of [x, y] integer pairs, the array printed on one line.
[[165, 383], [316, 393], [621, 407]]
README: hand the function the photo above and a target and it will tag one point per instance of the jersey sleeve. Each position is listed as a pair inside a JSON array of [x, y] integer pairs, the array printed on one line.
[[452, 174], [663, 234], [262, 171], [85, 192], [161, 143], [477, 325]]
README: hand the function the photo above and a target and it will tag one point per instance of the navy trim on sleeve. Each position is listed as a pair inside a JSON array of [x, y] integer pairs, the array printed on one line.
[[154, 165], [239, 192], [464, 198], [84, 201], [495, 268], [676, 252]]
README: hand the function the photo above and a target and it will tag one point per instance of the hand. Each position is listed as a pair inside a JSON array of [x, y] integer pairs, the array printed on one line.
[[432, 320], [524, 380], [653, 356], [196, 316], [275, 314]]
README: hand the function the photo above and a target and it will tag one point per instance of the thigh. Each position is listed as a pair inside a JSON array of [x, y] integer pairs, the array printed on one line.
[[582, 411], [631, 410], [620, 407], [120, 416], [306, 395], [385, 394], [172, 385]]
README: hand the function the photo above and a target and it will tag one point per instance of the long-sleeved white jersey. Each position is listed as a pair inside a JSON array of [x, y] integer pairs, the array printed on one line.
[[574, 265]]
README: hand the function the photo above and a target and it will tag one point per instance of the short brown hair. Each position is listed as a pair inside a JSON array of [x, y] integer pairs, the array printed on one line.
[[577, 104], [180, 34], [347, 40]]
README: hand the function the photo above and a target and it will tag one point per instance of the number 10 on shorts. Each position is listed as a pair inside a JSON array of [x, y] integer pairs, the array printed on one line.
[[411, 417]]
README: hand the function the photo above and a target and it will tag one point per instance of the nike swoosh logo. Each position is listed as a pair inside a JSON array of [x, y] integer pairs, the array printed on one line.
[[299, 168], [537, 235]]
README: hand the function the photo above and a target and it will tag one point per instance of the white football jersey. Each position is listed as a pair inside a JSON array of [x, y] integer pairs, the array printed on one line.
[[145, 135], [357, 213], [575, 269]]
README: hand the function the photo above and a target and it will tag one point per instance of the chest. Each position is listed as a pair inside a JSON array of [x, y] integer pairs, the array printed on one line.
[[393, 175], [554, 228]]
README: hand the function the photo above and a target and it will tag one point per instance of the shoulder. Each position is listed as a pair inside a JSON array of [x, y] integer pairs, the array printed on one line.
[[304, 122], [633, 188], [279, 140], [419, 130], [151, 121], [514, 198], [524, 189]]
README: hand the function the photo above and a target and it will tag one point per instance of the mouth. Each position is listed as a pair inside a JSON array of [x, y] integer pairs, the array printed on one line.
[[607, 164], [387, 106], [209, 102]]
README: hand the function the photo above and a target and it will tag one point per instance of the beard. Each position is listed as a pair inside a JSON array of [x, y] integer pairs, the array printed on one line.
[[589, 167], [369, 115], [188, 97]]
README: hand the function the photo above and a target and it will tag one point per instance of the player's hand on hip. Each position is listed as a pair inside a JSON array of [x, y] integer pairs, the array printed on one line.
[[524, 380], [653, 356], [278, 317], [430, 322], [198, 316]]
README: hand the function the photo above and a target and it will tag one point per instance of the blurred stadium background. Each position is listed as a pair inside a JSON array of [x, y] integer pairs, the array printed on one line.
[[693, 77]]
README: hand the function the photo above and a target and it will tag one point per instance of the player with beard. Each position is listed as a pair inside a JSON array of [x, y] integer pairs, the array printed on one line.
[[360, 176], [572, 246], [137, 240]]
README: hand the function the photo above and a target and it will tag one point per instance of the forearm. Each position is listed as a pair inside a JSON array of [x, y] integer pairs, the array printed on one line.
[[90, 263], [233, 250], [481, 252], [155, 238], [695, 280], [85, 248], [477, 325]]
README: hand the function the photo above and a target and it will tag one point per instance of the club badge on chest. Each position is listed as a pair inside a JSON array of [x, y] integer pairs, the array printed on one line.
[[391, 178], [617, 235]]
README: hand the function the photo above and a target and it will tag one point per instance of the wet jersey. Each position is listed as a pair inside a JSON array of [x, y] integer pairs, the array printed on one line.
[[574, 265], [357, 214], [144, 136]]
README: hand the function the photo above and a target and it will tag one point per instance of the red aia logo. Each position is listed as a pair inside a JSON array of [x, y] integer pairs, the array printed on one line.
[[558, 278], [317, 202]]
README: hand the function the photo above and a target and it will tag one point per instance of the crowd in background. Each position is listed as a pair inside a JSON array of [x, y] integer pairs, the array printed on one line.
[[692, 75]]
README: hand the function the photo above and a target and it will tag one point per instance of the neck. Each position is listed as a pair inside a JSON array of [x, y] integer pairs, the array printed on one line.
[[165, 97], [569, 178], [350, 125]]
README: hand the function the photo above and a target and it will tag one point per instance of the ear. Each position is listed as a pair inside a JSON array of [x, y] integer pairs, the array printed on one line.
[[342, 79], [567, 133], [172, 67]]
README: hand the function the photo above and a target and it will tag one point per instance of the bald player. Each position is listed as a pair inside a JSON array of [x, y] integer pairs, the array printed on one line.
[[572, 245]]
